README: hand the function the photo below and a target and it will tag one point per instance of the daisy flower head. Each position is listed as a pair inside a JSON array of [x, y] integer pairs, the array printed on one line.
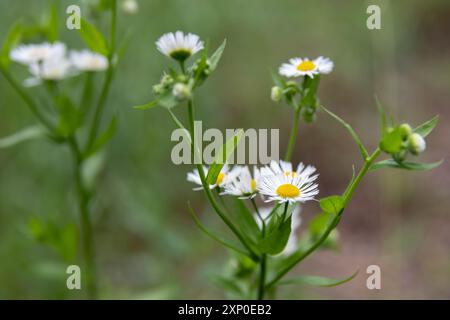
[[52, 69], [244, 185], [296, 221], [86, 60], [178, 45], [305, 67], [288, 186], [29, 54], [225, 177]]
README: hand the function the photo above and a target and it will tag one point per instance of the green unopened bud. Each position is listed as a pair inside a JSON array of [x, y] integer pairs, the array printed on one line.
[[158, 89], [416, 144], [276, 94], [166, 80], [309, 114], [182, 78], [181, 91], [405, 130]]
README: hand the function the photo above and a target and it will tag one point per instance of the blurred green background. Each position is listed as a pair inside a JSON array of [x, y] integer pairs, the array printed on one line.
[[147, 244]]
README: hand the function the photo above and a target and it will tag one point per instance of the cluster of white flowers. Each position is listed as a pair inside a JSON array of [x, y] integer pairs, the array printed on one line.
[[276, 182], [52, 61]]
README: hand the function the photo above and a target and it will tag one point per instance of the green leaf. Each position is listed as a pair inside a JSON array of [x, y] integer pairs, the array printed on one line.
[[229, 285], [103, 138], [320, 223], [277, 235], [11, 40], [332, 204], [216, 56], [358, 141], [318, 281], [146, 106], [93, 38], [390, 163], [23, 135], [382, 115], [91, 169], [52, 23], [245, 220], [69, 115], [392, 141], [425, 128], [213, 235], [222, 156]]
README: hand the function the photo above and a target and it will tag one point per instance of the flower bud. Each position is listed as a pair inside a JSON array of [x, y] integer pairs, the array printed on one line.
[[166, 80], [158, 89], [130, 6], [405, 130], [276, 94], [416, 143], [181, 91]]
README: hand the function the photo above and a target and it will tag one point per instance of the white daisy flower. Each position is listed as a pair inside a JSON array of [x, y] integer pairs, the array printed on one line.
[[225, 177], [178, 45], [296, 221], [87, 60], [36, 53], [305, 67], [288, 186], [51, 69], [285, 167], [244, 185]]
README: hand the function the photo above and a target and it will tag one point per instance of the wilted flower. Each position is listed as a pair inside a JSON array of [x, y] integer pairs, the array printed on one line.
[[225, 176], [86, 60], [305, 67], [178, 45], [244, 185]]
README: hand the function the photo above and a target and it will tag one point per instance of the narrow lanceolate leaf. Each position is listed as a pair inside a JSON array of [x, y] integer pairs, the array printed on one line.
[[318, 281], [216, 56], [277, 235], [405, 165], [11, 40], [93, 38], [382, 115], [222, 156], [332, 204], [213, 235], [146, 106], [425, 128], [358, 141], [23, 135]]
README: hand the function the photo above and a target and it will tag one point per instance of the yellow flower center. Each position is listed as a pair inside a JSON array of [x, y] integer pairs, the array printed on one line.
[[220, 178], [306, 65], [288, 190], [253, 185], [287, 174]]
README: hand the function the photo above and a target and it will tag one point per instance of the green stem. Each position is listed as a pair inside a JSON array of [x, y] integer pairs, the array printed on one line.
[[86, 225], [293, 136], [28, 100], [107, 82], [346, 198], [208, 192]]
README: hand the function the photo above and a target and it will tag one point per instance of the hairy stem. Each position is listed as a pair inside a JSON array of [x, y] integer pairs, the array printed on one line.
[[293, 136], [86, 225]]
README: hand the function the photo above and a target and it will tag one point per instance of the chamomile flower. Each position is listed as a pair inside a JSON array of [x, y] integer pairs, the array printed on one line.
[[225, 176], [296, 221], [50, 69], [244, 185], [86, 60], [288, 186], [29, 54], [178, 45], [305, 67]]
